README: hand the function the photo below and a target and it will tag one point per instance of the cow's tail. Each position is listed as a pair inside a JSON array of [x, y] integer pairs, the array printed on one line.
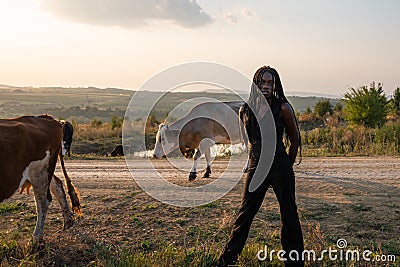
[[72, 191]]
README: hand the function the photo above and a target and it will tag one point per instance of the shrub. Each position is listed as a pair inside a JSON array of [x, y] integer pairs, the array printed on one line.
[[366, 106], [323, 107], [395, 101], [116, 122], [388, 137]]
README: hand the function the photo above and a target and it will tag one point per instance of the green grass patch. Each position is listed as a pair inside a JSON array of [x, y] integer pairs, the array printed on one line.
[[210, 205], [149, 207], [273, 216], [392, 247], [157, 220], [11, 207], [167, 256], [136, 220], [321, 212], [13, 253], [181, 222]]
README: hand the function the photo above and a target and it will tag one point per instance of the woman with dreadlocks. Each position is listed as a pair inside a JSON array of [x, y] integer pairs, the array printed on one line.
[[267, 96]]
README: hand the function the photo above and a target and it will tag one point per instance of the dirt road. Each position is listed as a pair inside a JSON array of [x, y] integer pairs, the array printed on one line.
[[353, 198]]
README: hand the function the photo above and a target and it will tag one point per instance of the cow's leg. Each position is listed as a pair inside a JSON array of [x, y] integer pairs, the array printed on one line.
[[207, 154], [42, 198], [39, 173], [192, 175], [205, 146], [42, 205], [57, 188]]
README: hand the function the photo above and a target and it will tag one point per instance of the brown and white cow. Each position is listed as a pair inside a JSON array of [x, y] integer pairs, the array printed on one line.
[[206, 124], [29, 148]]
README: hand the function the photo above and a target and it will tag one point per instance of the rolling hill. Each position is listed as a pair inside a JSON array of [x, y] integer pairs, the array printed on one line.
[[87, 103]]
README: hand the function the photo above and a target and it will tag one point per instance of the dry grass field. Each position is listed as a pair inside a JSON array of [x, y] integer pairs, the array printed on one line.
[[357, 199]]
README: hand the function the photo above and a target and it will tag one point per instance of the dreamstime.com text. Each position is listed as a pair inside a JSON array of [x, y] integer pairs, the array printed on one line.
[[333, 254]]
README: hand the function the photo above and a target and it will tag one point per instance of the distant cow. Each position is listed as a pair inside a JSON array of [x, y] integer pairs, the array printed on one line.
[[205, 125], [118, 151], [68, 132], [29, 148]]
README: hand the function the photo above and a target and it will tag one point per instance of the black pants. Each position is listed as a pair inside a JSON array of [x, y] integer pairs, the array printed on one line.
[[281, 178]]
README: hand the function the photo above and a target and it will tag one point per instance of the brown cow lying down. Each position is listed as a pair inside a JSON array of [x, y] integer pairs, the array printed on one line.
[[29, 148]]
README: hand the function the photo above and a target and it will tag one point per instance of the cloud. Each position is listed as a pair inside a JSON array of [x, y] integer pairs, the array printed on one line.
[[242, 15], [130, 13], [250, 14], [230, 18]]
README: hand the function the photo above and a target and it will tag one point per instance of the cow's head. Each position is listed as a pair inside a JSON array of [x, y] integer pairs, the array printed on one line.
[[166, 141]]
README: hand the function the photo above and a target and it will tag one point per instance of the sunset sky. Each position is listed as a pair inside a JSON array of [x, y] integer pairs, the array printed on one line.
[[317, 46]]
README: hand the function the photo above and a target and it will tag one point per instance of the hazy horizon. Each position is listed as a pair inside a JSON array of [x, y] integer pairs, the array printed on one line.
[[211, 90]]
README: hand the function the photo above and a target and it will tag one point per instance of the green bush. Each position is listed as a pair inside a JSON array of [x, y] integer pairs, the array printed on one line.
[[323, 107], [395, 101], [116, 122], [366, 106]]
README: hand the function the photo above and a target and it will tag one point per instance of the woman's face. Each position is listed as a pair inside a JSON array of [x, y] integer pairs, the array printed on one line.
[[267, 85]]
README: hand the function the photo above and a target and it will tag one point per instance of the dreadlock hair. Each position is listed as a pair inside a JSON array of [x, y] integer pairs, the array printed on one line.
[[255, 94]]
